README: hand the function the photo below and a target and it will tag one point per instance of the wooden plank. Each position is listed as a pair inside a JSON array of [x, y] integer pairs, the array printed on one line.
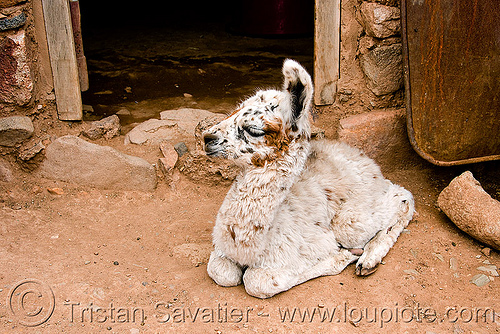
[[326, 50], [63, 59]]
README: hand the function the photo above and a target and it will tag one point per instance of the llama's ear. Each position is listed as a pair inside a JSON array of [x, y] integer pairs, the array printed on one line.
[[298, 83]]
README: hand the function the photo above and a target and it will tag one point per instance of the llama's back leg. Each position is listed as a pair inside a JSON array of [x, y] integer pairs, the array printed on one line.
[[402, 203], [265, 283]]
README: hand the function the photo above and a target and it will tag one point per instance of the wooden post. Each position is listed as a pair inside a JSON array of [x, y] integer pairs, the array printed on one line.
[[326, 51], [63, 59]]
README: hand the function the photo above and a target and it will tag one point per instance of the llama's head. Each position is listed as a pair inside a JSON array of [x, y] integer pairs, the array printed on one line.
[[265, 125]]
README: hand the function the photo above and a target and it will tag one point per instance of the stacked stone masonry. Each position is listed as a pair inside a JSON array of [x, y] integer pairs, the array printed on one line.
[[380, 47]]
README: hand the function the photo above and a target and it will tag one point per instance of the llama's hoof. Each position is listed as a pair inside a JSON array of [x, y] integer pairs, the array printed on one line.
[[362, 271]]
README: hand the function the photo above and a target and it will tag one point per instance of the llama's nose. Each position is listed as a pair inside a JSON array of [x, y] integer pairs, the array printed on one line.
[[210, 141]]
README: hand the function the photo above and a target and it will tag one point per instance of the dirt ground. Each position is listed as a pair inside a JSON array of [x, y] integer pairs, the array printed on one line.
[[86, 260]]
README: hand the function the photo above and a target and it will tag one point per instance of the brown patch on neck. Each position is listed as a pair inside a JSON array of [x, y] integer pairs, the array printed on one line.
[[276, 137]]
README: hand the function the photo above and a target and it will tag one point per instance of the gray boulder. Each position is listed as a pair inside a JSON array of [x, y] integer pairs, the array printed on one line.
[[75, 160], [14, 130]]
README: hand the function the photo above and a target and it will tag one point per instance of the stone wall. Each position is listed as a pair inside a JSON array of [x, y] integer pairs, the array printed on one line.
[[25, 79], [371, 70]]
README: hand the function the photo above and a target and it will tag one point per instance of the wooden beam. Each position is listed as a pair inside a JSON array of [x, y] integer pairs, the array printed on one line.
[[326, 51], [63, 59]]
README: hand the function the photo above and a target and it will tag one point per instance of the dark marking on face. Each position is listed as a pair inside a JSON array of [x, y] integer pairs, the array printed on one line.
[[240, 134]]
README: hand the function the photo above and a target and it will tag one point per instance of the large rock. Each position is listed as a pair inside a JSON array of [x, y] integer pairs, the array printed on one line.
[[380, 21], [187, 119], [16, 85], [14, 130], [75, 160], [152, 131], [383, 67], [472, 209], [175, 125], [381, 135]]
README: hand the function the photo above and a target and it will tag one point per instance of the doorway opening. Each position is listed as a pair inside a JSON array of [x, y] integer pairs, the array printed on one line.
[[143, 60]]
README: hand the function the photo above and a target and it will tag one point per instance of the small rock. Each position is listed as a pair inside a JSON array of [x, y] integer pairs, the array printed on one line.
[[181, 148], [439, 257], [36, 190], [124, 112], [345, 91], [14, 130], [5, 172], [128, 90], [170, 156], [480, 280], [87, 108], [116, 263], [453, 264], [104, 92], [317, 133], [16, 206], [87, 262], [411, 272], [108, 128], [55, 191], [12, 23], [187, 95], [31, 152], [490, 269], [486, 251]]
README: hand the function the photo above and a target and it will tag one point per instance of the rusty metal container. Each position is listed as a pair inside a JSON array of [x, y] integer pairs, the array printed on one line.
[[452, 76]]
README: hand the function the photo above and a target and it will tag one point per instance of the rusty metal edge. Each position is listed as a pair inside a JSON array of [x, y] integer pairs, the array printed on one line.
[[409, 118]]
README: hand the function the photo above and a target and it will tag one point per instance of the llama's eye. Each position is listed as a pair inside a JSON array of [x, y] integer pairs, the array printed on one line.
[[254, 131]]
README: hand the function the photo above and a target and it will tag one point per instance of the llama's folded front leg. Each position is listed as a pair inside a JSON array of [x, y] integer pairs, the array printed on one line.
[[223, 271], [381, 243], [265, 283]]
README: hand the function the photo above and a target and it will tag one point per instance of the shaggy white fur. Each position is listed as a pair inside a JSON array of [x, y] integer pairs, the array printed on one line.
[[299, 207]]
